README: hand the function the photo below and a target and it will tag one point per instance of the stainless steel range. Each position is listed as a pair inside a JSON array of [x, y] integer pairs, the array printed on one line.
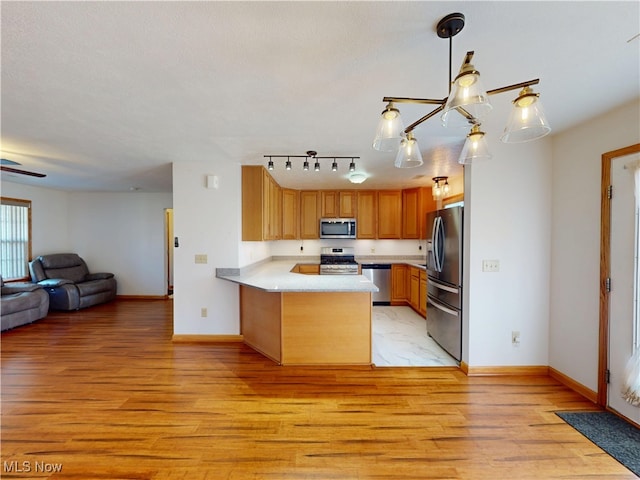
[[338, 261]]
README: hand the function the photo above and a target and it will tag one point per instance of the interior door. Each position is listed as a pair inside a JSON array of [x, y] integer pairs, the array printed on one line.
[[623, 328]]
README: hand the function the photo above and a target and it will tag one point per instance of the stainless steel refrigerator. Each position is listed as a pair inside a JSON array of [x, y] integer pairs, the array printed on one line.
[[444, 279]]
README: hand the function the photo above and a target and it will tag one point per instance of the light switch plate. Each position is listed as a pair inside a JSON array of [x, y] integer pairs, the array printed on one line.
[[201, 258], [491, 265]]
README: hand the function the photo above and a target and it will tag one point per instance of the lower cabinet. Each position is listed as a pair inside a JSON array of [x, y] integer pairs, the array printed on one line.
[[399, 282], [409, 287], [422, 307]]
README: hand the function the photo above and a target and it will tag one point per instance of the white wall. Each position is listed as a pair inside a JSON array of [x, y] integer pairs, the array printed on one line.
[[575, 246], [206, 221], [49, 216], [122, 233], [507, 218]]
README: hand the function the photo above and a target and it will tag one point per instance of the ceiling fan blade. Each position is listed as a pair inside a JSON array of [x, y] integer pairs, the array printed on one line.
[[4, 161], [22, 172]]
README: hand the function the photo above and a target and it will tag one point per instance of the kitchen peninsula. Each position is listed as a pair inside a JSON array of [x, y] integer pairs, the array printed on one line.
[[298, 319]]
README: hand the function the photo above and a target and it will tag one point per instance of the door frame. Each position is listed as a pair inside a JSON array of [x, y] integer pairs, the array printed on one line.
[[605, 266]]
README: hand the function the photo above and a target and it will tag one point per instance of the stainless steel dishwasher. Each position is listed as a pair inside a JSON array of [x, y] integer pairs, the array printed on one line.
[[380, 275]]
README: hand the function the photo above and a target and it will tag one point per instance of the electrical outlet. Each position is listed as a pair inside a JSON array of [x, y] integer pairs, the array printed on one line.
[[373, 249], [203, 312], [201, 258], [515, 339], [491, 265]]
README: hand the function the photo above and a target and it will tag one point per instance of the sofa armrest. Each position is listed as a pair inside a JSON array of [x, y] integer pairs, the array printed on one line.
[[55, 282], [8, 288], [97, 276]]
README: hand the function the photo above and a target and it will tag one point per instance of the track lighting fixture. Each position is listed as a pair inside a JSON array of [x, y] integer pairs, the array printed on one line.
[[466, 105], [311, 155]]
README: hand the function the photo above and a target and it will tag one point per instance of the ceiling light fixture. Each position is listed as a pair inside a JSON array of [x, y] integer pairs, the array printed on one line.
[[440, 187], [467, 104], [357, 177], [311, 155], [475, 147]]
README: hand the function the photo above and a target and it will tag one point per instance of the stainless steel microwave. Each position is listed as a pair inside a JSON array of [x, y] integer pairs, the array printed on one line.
[[337, 228]]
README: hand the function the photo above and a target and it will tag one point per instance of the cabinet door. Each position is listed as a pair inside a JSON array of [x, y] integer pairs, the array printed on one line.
[[253, 222], [328, 204], [366, 214], [347, 204], [389, 214], [290, 214], [422, 307], [399, 283], [410, 213], [309, 214], [414, 288], [275, 211]]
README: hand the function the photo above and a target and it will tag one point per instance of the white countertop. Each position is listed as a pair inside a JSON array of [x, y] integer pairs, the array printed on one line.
[[276, 276]]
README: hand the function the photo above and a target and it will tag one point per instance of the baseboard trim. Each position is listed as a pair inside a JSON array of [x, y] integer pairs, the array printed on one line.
[[207, 339], [573, 385], [506, 371], [142, 297]]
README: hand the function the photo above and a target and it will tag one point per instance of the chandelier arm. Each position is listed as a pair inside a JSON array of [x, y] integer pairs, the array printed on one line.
[[423, 119], [515, 86], [424, 101]]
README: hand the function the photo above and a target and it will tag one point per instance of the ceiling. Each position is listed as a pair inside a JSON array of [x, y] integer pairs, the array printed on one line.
[[105, 96]]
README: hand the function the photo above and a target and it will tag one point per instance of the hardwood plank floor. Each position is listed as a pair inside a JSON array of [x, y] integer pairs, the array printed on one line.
[[103, 393]]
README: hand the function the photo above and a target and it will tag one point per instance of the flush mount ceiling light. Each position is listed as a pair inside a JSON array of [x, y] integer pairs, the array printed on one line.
[[357, 177], [311, 155], [466, 105]]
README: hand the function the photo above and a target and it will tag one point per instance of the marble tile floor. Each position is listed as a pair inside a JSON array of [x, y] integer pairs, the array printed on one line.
[[400, 339]]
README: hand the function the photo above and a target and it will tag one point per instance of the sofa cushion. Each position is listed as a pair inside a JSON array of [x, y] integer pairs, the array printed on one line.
[[60, 260]]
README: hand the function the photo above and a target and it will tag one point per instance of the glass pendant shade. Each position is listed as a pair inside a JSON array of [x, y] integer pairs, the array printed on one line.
[[390, 130], [527, 120], [409, 155], [467, 98], [475, 147]]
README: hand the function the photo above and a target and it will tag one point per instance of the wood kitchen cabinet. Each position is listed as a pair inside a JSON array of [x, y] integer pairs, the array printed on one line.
[[366, 215], [399, 283], [416, 203], [414, 288], [261, 205], [422, 295], [309, 214], [290, 214], [389, 214], [338, 204]]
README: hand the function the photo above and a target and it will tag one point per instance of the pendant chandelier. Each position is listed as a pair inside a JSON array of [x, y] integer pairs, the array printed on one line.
[[467, 105]]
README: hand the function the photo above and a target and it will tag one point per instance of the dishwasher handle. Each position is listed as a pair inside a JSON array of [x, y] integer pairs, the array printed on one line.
[[376, 266]]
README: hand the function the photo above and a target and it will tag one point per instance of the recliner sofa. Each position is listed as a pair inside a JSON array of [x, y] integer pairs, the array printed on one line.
[[21, 303], [66, 278]]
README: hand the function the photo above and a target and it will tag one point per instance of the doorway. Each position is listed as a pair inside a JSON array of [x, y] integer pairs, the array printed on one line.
[[169, 245], [619, 322]]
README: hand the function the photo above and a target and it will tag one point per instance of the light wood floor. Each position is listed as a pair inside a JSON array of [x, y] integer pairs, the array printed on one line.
[[105, 394]]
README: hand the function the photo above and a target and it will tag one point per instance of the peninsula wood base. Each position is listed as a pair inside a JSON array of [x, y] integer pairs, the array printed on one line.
[[307, 328]]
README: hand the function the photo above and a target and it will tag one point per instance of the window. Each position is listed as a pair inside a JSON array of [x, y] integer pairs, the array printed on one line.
[[15, 238]]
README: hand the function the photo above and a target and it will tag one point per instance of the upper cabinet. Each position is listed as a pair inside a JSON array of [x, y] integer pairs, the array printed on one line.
[[367, 214], [261, 205], [334, 204], [290, 214], [416, 203], [309, 214], [389, 214], [270, 212]]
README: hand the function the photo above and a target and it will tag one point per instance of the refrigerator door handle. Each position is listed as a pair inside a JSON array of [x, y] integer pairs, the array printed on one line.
[[437, 246], [440, 306], [441, 286]]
